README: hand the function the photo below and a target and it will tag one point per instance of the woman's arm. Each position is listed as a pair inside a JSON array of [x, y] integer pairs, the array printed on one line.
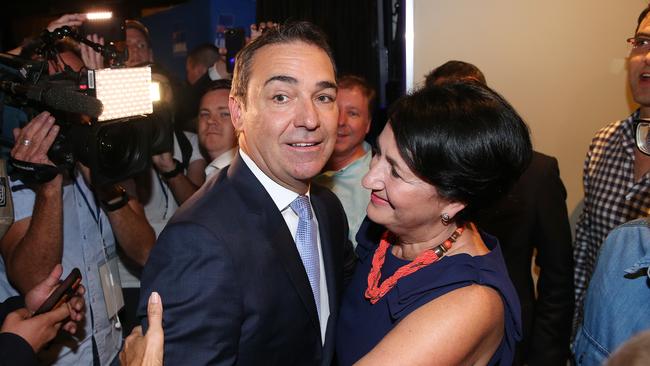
[[464, 326]]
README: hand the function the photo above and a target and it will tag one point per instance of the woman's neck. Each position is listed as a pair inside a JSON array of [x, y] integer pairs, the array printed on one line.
[[410, 248], [469, 242]]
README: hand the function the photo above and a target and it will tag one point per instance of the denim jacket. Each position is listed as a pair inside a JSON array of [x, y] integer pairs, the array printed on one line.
[[616, 304]]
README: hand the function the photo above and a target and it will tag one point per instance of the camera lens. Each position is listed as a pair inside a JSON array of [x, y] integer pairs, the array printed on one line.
[[117, 148]]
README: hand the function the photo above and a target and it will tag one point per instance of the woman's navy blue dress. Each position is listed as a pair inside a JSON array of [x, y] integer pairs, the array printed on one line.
[[362, 325]]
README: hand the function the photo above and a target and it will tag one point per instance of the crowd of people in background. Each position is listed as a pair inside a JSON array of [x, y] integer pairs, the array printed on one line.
[[274, 232]]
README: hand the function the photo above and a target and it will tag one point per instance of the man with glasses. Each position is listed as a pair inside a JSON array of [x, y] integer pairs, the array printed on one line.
[[618, 293], [616, 175]]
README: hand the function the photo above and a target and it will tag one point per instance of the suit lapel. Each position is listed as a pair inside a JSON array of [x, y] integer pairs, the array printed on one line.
[[273, 231]]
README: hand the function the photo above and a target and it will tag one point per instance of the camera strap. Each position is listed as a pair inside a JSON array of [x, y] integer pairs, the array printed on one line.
[[32, 173]]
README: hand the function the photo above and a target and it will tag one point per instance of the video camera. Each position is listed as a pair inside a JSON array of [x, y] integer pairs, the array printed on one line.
[[106, 116]]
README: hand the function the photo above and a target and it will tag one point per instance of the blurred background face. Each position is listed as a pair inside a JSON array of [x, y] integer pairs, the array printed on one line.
[[139, 51], [216, 132], [354, 121], [194, 71]]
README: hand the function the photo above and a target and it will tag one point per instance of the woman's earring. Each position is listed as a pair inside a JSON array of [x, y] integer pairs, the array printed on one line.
[[445, 219]]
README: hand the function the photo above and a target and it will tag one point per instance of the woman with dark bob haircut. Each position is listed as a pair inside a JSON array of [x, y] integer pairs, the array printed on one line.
[[430, 288]]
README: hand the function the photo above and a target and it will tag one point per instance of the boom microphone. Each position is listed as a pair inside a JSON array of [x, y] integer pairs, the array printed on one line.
[[57, 97]]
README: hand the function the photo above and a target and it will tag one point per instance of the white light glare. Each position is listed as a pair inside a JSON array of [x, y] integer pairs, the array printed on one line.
[[98, 15], [155, 91]]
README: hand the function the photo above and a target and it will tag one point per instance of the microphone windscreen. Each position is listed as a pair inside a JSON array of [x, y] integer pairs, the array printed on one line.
[[68, 100]]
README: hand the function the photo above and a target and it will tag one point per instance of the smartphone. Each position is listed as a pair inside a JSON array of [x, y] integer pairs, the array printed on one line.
[[63, 293], [235, 40]]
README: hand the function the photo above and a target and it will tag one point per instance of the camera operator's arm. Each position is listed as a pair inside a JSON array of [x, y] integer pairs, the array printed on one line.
[[71, 20], [131, 227], [181, 185], [34, 245], [126, 215]]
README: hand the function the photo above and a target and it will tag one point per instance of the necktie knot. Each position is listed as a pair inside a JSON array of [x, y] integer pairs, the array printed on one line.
[[301, 207]]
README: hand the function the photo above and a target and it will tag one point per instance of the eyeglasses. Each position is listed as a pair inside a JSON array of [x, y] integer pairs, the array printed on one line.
[[642, 132], [639, 44]]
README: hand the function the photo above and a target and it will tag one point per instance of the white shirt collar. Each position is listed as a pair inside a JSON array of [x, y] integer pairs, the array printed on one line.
[[224, 159], [220, 162], [280, 195], [213, 74]]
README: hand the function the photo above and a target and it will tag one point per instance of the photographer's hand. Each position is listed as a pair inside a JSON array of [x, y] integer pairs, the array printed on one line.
[[35, 139], [182, 184], [164, 162], [257, 30], [71, 20], [91, 58], [33, 246]]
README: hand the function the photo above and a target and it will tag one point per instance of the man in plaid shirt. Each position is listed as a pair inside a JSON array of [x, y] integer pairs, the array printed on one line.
[[616, 175]]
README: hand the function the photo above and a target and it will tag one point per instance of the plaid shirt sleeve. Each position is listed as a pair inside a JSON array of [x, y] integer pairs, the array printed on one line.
[[581, 246]]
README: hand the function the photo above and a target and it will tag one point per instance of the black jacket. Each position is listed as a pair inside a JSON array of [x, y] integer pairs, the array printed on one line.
[[534, 216]]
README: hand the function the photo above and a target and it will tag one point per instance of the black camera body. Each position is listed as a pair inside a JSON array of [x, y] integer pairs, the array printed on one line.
[[114, 150]]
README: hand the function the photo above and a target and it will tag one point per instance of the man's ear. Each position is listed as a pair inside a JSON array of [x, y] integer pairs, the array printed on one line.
[[236, 111]]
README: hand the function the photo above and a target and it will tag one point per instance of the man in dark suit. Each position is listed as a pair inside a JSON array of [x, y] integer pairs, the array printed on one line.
[[533, 216], [248, 274]]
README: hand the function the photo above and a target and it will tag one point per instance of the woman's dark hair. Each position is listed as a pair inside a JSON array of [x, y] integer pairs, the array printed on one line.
[[464, 139]]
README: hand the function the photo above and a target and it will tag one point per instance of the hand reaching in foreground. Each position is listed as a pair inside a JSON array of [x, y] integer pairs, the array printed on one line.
[[40, 329], [146, 350], [76, 305]]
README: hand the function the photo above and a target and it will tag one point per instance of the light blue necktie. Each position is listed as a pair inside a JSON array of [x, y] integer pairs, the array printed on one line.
[[307, 246]]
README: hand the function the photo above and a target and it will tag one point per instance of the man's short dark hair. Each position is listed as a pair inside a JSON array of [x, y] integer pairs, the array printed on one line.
[[642, 16], [221, 84], [282, 34], [464, 139], [355, 81], [205, 54], [454, 70]]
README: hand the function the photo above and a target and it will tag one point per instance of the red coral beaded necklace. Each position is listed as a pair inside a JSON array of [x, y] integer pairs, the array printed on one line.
[[374, 292]]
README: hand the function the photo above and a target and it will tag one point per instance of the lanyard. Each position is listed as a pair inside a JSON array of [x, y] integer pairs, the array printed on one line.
[[95, 215], [164, 191]]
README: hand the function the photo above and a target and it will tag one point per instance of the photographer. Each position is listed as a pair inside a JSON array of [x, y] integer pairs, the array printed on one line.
[[68, 221]]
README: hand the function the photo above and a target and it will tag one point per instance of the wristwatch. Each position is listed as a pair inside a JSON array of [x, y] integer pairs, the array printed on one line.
[[116, 202], [174, 172]]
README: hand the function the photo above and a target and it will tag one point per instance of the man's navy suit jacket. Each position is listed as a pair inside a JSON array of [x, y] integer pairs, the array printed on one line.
[[233, 287]]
